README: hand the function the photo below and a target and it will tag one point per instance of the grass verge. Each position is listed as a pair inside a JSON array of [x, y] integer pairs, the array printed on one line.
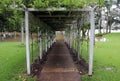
[[106, 60], [12, 62]]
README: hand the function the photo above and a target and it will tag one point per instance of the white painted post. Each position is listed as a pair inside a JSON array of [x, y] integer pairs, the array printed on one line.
[[71, 36], [74, 36], [46, 42], [27, 41], [49, 41], [92, 28], [53, 39], [43, 45], [40, 45], [22, 32], [79, 30], [68, 37], [78, 47]]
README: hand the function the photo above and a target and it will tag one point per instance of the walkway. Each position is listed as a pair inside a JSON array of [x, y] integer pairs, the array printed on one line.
[[59, 65]]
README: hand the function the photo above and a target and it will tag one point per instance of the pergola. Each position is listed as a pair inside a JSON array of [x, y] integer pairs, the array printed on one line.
[[57, 19]]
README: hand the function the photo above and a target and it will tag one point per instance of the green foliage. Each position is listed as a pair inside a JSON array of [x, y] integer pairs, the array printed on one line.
[[84, 50], [86, 26], [71, 3], [49, 3], [13, 62], [99, 35], [14, 20], [35, 23], [11, 17], [101, 2], [55, 3], [63, 3], [39, 4]]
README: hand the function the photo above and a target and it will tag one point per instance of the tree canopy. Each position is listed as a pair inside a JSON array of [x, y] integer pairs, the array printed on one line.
[[49, 3]]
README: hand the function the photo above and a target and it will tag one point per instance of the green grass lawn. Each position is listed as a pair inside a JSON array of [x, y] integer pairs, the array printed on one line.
[[106, 60], [12, 62]]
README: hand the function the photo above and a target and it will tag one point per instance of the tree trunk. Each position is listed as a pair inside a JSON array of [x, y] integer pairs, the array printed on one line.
[[99, 25], [107, 23], [110, 25]]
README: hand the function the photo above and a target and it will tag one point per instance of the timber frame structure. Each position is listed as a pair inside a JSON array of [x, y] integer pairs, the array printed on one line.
[[58, 19]]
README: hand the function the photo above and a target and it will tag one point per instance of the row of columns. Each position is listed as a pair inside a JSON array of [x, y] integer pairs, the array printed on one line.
[[48, 41], [74, 32]]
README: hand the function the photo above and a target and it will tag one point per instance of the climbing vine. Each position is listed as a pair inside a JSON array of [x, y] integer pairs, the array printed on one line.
[[64, 3]]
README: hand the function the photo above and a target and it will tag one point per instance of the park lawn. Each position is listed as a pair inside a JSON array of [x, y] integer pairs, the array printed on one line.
[[106, 60], [12, 61]]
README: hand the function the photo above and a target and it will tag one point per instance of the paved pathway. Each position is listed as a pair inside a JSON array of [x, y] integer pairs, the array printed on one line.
[[59, 65]]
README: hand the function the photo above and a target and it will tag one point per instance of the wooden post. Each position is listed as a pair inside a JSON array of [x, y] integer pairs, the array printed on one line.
[[92, 28], [27, 41]]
